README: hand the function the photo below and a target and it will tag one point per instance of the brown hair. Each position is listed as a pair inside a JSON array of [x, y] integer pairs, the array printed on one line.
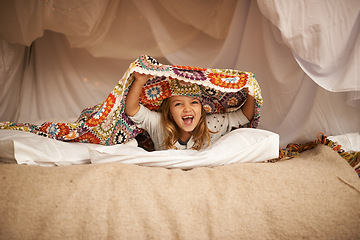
[[200, 134]]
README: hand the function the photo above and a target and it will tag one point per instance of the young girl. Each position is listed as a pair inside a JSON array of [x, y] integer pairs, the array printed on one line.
[[182, 122]]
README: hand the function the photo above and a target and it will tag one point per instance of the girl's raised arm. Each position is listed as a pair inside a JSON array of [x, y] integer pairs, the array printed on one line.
[[249, 107], [133, 97]]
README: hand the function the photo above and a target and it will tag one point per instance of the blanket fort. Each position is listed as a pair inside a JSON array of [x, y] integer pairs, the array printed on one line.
[[222, 90]]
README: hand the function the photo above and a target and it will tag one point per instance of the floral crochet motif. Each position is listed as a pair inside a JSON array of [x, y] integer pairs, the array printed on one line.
[[219, 90]]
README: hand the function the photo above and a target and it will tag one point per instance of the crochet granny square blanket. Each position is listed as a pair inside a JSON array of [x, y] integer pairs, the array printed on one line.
[[221, 91]]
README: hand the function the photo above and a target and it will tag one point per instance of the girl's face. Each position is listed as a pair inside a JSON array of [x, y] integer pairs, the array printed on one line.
[[186, 112]]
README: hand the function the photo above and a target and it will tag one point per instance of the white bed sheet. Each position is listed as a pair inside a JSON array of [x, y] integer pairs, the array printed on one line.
[[242, 145]]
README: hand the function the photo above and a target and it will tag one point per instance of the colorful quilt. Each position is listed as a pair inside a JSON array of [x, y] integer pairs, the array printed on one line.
[[221, 90]]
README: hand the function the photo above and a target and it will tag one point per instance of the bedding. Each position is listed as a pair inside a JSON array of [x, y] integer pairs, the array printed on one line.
[[242, 145], [238, 146], [31, 149], [349, 141], [314, 196]]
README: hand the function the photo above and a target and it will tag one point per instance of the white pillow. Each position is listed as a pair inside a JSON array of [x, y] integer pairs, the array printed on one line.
[[31, 149], [239, 146], [349, 142], [7, 154]]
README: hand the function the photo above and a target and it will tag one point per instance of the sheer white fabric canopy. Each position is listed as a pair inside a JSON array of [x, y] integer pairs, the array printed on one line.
[[58, 57]]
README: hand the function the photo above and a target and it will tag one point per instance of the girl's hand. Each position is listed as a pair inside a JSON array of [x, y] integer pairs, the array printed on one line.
[[133, 97], [249, 106], [249, 92], [141, 77]]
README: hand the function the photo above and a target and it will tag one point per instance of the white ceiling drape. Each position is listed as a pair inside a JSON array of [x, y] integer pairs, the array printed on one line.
[[58, 57]]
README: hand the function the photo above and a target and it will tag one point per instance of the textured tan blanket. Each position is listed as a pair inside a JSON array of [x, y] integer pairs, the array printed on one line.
[[315, 196]]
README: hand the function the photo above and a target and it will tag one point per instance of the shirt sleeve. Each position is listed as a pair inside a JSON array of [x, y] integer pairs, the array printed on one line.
[[150, 121], [146, 119]]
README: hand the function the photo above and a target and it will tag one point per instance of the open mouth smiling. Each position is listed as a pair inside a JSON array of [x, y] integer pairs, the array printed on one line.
[[188, 119]]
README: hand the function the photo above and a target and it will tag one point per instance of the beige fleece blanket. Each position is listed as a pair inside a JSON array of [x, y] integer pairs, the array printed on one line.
[[315, 196]]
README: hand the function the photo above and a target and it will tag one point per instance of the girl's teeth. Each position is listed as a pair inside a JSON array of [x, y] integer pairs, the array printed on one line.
[[188, 120]]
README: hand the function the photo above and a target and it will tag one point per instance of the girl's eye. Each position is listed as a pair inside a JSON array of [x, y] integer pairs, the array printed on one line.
[[195, 102], [177, 104]]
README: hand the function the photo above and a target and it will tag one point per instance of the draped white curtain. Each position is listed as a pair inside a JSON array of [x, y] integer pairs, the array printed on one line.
[[60, 56]]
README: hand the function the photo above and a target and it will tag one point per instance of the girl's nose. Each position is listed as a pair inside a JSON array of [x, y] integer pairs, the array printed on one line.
[[187, 107]]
